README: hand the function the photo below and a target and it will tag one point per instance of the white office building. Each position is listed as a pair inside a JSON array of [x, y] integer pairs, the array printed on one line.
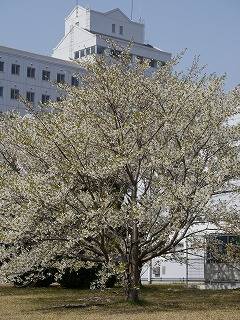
[[32, 76]]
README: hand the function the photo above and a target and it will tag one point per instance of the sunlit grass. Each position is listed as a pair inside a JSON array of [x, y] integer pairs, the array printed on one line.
[[157, 302]]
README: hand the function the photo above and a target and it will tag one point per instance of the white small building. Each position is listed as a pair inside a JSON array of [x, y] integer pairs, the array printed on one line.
[[184, 266]]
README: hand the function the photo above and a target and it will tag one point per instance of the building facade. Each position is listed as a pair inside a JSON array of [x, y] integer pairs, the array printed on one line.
[[86, 32], [32, 76]]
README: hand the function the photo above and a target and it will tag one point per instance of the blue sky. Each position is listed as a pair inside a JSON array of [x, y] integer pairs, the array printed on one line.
[[209, 28]]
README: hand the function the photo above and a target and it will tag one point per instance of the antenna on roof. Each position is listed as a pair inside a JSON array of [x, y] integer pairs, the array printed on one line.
[[132, 11], [140, 16], [77, 8]]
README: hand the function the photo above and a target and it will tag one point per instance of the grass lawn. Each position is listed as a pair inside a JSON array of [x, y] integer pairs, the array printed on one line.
[[158, 302]]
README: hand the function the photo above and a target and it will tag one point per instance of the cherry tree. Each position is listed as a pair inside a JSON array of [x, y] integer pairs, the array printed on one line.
[[119, 171]]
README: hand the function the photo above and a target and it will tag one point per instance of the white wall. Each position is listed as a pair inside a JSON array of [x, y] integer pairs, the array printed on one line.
[[102, 23], [21, 82], [76, 17], [77, 34]]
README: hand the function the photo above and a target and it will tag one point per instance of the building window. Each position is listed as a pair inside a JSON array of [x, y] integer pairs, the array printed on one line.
[[75, 81], [45, 98], [82, 53], [15, 69], [156, 271], [100, 50], [115, 53], [121, 30], [93, 49], [46, 75], [1, 91], [132, 58], [113, 28], [163, 270], [14, 94], [30, 96], [153, 63], [220, 247], [76, 55], [30, 72], [140, 59], [60, 78], [1, 66]]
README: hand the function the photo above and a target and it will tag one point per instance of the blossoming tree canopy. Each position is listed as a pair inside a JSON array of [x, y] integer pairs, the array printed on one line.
[[118, 172]]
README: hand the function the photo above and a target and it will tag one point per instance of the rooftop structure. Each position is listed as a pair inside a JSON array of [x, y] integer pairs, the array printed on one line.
[[86, 32]]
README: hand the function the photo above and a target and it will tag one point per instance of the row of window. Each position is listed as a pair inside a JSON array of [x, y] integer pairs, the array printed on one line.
[[220, 246], [60, 78], [30, 96], [89, 50], [31, 73], [101, 50], [114, 29]]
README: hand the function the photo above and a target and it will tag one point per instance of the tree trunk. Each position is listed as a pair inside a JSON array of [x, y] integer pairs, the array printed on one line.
[[132, 294], [134, 275]]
